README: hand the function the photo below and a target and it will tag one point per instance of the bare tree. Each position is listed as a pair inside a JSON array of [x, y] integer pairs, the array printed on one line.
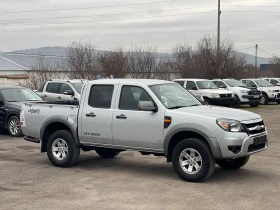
[[113, 63], [43, 71], [275, 66], [82, 61]]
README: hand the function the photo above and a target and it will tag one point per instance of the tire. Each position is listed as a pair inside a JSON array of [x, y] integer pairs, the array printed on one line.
[[233, 164], [64, 138], [278, 101], [205, 166], [237, 103], [106, 152], [14, 128], [264, 100], [254, 104]]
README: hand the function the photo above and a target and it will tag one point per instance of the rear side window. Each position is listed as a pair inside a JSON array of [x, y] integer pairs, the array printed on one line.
[[63, 88], [191, 86], [53, 87], [101, 96], [180, 83], [219, 84], [41, 88], [130, 97]]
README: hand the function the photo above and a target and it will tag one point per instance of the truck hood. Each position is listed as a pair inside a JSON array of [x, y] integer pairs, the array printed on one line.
[[269, 88], [219, 91], [219, 112]]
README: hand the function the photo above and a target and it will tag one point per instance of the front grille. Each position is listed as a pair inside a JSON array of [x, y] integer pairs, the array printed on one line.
[[254, 147], [276, 91], [225, 95], [254, 92], [254, 128]]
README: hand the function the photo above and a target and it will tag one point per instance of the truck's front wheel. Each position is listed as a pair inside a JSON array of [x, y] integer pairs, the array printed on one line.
[[62, 150], [233, 164], [192, 160], [107, 152]]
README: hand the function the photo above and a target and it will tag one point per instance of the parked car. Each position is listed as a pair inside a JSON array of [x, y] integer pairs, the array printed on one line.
[[243, 93], [150, 116], [270, 92], [11, 99], [206, 89], [61, 90], [273, 81]]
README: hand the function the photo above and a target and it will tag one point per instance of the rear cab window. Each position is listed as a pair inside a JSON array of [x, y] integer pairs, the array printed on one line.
[[53, 87], [191, 85]]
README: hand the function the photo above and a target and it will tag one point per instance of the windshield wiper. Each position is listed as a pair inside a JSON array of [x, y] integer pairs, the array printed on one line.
[[177, 107]]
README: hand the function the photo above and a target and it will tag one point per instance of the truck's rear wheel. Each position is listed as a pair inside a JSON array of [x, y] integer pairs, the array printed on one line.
[[192, 160], [62, 150], [107, 152], [233, 164]]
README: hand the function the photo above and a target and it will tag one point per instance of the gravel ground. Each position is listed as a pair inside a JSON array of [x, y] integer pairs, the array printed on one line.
[[131, 181]]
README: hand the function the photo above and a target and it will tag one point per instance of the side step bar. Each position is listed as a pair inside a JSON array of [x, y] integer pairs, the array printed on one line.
[[34, 140]]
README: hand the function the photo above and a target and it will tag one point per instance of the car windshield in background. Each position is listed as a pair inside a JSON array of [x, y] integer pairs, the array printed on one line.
[[235, 83], [20, 94], [206, 85], [263, 83], [78, 86], [174, 96]]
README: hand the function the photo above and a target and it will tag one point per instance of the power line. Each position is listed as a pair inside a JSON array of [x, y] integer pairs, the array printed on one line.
[[86, 8], [265, 52], [108, 14], [245, 48], [261, 6], [94, 21], [251, 11]]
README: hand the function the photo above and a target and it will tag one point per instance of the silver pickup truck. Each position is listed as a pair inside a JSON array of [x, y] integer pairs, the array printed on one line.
[[150, 116]]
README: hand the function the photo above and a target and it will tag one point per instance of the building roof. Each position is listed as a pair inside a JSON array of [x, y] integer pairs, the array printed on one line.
[[18, 62]]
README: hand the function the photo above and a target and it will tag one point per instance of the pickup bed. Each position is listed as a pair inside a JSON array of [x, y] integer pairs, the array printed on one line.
[[150, 116]]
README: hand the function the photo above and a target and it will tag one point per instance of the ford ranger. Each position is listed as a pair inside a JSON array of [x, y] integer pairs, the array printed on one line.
[[150, 116]]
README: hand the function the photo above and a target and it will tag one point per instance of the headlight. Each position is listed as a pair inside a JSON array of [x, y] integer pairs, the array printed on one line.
[[270, 91], [244, 91], [230, 125], [215, 95]]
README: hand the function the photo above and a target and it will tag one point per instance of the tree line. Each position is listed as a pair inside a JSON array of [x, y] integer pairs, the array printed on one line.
[[145, 62]]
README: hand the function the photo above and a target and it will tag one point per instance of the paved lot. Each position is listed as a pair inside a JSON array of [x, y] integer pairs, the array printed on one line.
[[131, 181]]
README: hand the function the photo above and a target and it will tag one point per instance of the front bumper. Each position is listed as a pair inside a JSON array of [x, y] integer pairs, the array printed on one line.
[[246, 145], [219, 101], [252, 98]]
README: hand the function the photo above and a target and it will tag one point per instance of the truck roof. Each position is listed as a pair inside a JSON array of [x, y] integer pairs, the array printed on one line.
[[191, 80], [129, 81]]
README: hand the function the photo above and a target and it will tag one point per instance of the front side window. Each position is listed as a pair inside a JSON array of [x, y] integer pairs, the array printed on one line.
[[206, 85], [101, 96], [263, 83], [274, 82], [251, 84], [173, 96], [53, 87], [220, 84], [130, 97], [191, 85], [64, 87], [19, 95], [180, 83]]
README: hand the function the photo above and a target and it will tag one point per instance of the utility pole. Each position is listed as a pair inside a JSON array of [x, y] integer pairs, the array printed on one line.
[[256, 61], [219, 29]]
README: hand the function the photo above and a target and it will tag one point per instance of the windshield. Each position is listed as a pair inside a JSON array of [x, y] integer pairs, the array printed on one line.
[[174, 96], [263, 83], [206, 85], [234, 83], [20, 94], [78, 86]]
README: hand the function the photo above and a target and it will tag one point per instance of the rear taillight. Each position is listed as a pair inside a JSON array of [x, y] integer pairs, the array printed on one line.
[[22, 118]]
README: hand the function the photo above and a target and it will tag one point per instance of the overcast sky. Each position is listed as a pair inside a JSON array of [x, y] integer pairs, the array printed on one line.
[[163, 24]]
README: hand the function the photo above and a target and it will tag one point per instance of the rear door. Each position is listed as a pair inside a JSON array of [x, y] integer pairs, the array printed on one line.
[[97, 112], [64, 87], [51, 92]]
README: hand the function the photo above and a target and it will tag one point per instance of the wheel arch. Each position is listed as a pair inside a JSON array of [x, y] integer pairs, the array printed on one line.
[[177, 135]]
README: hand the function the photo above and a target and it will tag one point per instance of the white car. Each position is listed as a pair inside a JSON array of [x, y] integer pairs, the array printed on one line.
[[270, 93], [206, 89], [274, 81], [243, 93]]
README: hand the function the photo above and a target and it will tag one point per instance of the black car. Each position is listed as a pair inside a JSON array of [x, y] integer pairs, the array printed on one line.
[[11, 99]]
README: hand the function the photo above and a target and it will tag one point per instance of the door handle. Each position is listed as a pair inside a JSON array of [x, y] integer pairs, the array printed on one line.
[[122, 116], [91, 115], [59, 97]]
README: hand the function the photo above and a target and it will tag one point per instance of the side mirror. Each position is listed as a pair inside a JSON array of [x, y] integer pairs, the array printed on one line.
[[147, 106], [223, 86], [194, 88], [278, 84], [1, 103], [69, 92]]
